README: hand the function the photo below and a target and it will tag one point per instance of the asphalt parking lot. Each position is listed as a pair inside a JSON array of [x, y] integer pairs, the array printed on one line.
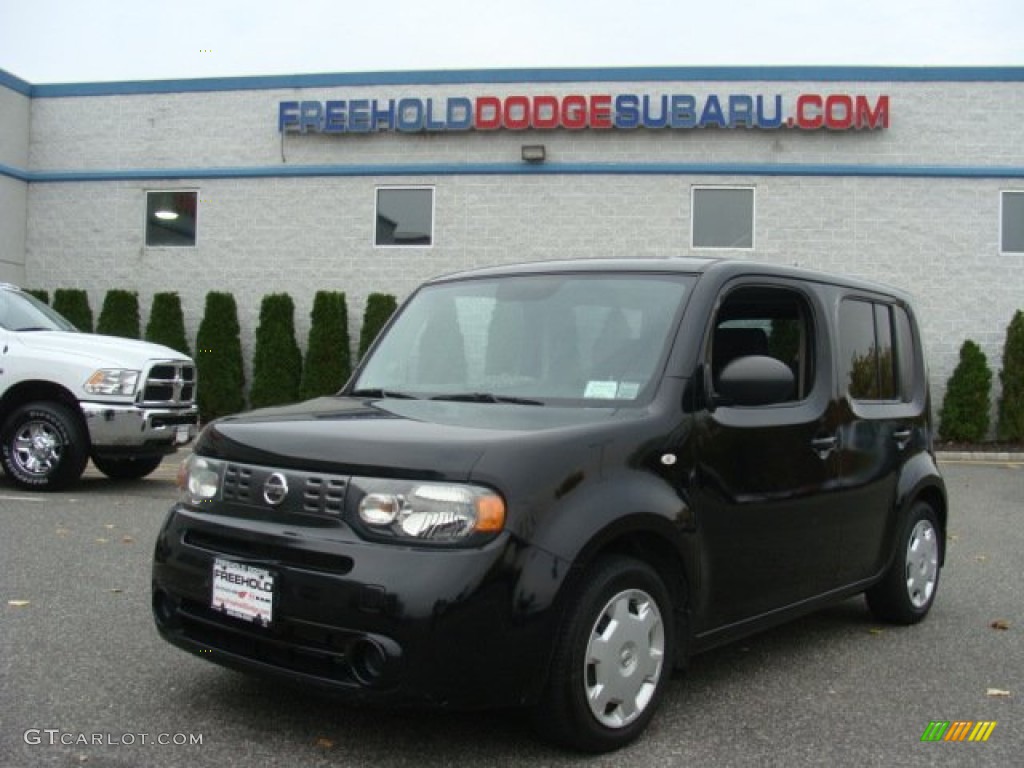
[[85, 680]]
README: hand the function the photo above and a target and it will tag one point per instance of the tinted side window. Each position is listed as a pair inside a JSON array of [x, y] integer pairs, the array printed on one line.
[[770, 321], [905, 354], [877, 350]]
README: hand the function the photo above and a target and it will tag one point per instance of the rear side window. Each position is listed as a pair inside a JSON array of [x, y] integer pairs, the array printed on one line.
[[877, 350]]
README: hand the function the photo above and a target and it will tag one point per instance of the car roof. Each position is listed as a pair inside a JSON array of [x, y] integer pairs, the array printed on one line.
[[725, 269]]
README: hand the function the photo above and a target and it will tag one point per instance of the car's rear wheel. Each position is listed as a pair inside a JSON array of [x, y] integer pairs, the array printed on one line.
[[906, 592], [44, 446], [127, 468], [613, 659]]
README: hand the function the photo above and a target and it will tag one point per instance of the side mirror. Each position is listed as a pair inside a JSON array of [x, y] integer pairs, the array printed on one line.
[[755, 380]]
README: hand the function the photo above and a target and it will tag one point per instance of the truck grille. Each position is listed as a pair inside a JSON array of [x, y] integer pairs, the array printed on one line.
[[171, 383]]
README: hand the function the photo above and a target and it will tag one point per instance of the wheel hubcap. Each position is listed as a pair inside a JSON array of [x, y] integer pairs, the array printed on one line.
[[37, 448], [624, 658], [922, 563]]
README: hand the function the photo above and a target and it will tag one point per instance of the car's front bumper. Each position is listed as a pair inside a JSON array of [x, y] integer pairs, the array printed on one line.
[[132, 430], [371, 622]]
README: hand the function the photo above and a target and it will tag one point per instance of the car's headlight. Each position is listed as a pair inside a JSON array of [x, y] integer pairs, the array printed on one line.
[[112, 381], [198, 479], [429, 512]]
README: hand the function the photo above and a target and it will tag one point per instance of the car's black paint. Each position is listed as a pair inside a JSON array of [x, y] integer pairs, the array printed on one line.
[[751, 515]]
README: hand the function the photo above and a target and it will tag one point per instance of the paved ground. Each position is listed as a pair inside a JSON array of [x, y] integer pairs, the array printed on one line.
[[82, 660]]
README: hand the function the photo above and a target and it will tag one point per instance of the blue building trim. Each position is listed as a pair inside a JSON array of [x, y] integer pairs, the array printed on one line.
[[7, 80], [520, 169], [526, 76]]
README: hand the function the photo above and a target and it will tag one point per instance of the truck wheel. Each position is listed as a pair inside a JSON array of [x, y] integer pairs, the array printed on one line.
[[128, 468], [613, 660], [907, 591], [44, 446]]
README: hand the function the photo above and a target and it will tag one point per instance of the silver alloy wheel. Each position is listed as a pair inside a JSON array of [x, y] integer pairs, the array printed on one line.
[[37, 448], [624, 659], [922, 563]]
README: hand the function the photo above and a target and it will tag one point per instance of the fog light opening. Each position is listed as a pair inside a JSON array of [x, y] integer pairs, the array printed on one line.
[[368, 662], [164, 609]]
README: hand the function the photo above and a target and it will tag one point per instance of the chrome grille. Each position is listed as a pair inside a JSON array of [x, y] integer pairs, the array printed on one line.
[[171, 382]]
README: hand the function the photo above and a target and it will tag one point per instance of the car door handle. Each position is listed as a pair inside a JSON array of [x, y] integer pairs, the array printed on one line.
[[823, 446]]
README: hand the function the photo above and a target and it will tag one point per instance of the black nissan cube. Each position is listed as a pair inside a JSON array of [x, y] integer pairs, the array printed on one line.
[[548, 485]]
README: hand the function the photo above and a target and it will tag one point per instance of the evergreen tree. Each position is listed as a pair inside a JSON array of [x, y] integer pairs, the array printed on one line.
[[328, 356], [119, 315], [277, 361], [167, 323], [73, 304], [965, 409], [379, 308], [1011, 403], [221, 386]]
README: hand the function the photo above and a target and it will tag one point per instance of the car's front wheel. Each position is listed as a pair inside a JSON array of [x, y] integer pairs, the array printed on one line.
[[44, 446], [613, 660], [906, 592]]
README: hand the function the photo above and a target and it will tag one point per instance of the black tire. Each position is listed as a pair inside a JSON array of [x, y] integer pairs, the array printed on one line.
[[581, 707], [906, 592], [44, 446], [127, 468]]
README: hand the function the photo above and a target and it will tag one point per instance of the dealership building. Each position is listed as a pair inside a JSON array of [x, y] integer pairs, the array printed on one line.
[[372, 182]]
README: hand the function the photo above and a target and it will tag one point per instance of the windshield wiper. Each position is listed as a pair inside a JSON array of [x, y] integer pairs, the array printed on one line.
[[486, 397], [383, 393], [34, 328]]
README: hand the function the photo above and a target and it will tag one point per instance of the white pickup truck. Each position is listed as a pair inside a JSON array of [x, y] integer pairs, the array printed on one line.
[[66, 397]]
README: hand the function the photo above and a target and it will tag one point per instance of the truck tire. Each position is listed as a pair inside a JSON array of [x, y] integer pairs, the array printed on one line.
[[44, 446], [127, 468]]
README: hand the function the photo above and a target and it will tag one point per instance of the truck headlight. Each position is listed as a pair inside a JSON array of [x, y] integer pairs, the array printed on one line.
[[112, 381], [198, 479], [431, 512]]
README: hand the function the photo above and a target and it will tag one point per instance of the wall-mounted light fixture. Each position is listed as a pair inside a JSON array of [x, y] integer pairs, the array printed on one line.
[[534, 153]]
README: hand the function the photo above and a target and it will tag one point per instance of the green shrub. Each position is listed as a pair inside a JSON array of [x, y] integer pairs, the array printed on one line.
[[379, 308], [167, 323], [328, 356], [119, 315], [73, 304], [221, 386], [1011, 403], [277, 361], [39, 293], [965, 409]]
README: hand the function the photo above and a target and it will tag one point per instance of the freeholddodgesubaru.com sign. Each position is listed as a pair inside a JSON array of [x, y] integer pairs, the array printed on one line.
[[807, 112]]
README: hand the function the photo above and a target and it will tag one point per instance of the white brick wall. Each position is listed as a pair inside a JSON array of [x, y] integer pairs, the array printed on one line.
[[937, 237]]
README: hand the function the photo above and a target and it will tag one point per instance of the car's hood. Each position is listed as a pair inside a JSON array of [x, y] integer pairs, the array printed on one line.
[[103, 351], [394, 437]]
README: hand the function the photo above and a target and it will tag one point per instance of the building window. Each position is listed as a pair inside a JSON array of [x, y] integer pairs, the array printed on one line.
[[405, 216], [171, 218], [1012, 227], [722, 217]]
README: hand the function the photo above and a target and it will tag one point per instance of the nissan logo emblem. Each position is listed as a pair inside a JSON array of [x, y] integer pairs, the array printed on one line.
[[275, 489]]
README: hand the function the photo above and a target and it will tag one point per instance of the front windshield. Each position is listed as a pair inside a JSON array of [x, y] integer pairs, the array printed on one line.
[[22, 312], [533, 337]]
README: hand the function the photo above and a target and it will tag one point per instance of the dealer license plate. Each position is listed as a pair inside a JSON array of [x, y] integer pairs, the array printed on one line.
[[243, 591], [181, 435]]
